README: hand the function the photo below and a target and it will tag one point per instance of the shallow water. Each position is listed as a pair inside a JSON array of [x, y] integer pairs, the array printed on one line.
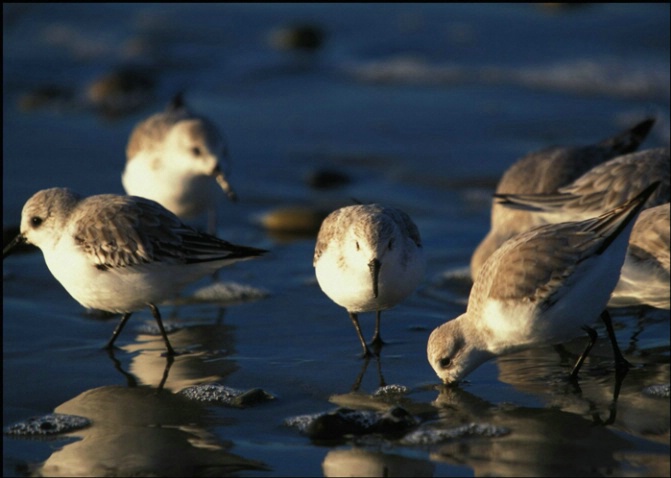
[[422, 107]]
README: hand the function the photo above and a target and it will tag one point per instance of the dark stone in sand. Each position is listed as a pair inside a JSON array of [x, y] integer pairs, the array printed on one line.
[[47, 425], [344, 421], [298, 37], [327, 179], [220, 394]]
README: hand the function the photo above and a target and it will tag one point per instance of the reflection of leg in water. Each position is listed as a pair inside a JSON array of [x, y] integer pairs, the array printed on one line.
[[168, 363], [359, 378], [221, 312], [620, 373], [644, 316], [633, 340], [620, 362], [564, 355], [379, 372], [131, 380]]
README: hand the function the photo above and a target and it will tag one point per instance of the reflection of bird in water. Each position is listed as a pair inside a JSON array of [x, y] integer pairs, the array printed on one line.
[[360, 462], [209, 346], [627, 407], [136, 431], [541, 442], [647, 319]]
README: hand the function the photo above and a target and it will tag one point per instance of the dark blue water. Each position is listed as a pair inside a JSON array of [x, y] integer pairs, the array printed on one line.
[[421, 107]]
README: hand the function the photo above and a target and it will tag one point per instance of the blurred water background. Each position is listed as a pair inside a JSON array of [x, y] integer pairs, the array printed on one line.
[[419, 106]]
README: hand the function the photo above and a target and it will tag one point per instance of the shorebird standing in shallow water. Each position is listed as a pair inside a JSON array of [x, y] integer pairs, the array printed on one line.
[[541, 287], [120, 253], [368, 258]]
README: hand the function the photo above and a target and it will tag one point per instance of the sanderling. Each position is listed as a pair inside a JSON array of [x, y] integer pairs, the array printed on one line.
[[545, 171], [541, 287], [175, 158], [644, 276], [120, 253], [368, 258], [600, 189]]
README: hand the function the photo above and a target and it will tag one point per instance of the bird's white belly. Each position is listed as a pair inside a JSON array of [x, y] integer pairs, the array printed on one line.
[[517, 324], [352, 288], [113, 290], [186, 195]]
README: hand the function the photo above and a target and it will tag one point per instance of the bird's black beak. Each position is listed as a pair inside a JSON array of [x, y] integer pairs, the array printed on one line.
[[17, 241], [223, 182], [374, 267]]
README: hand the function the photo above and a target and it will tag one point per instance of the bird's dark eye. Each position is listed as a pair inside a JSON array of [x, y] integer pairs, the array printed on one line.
[[391, 244], [196, 151], [36, 221], [445, 362], [357, 245]]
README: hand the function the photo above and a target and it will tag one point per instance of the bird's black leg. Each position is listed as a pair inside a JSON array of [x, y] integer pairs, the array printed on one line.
[[118, 329], [355, 321], [157, 316], [592, 340], [377, 341]]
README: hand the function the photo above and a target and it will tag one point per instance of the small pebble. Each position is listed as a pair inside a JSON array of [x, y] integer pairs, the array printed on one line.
[[658, 391], [345, 421], [297, 37], [220, 394], [327, 179], [229, 292], [429, 436], [391, 390], [294, 219], [50, 96], [121, 92], [48, 425]]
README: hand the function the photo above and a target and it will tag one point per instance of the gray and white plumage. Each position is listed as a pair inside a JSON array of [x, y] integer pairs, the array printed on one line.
[[599, 190], [368, 258], [541, 287], [120, 253], [545, 171], [176, 158]]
